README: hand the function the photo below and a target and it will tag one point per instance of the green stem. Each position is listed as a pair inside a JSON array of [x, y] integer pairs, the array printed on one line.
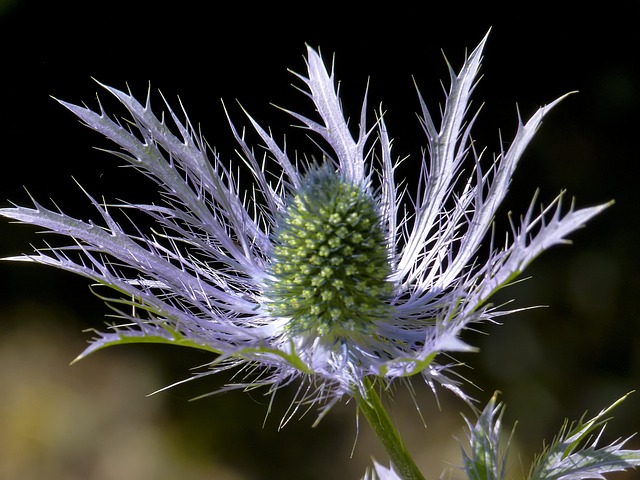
[[377, 416]]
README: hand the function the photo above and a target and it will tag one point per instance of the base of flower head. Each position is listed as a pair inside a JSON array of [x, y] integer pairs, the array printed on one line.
[[330, 265]]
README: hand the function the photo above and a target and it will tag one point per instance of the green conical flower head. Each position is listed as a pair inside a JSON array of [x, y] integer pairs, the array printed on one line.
[[330, 263]]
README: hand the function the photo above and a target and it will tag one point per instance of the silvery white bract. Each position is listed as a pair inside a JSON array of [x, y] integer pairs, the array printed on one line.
[[380, 472], [328, 271]]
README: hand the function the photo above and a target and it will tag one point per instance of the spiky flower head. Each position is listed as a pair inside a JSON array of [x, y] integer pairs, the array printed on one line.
[[330, 266], [328, 273]]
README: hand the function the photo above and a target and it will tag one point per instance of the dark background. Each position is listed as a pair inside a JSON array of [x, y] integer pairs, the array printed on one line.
[[92, 420]]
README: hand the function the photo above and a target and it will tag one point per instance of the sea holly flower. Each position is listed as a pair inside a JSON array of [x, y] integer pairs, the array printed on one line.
[[329, 272]]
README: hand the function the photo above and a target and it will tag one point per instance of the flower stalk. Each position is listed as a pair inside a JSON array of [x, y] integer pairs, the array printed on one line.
[[376, 414]]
